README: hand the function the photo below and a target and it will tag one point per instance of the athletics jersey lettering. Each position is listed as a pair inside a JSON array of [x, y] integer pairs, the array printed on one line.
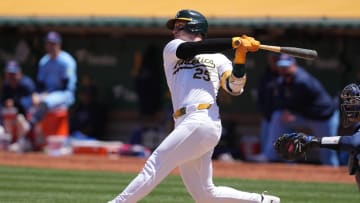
[[193, 63], [207, 62]]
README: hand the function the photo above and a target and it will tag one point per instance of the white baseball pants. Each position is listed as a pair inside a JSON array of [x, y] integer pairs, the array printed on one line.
[[190, 146]]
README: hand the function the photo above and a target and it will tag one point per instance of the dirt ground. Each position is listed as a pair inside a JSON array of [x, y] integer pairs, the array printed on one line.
[[278, 171]]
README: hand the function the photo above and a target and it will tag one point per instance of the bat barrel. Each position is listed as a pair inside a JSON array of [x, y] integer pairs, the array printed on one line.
[[308, 54], [299, 52]]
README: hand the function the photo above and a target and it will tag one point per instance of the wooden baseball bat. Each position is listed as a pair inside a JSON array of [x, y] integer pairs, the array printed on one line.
[[308, 54]]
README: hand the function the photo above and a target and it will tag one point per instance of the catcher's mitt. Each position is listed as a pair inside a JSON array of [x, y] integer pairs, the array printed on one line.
[[292, 146]]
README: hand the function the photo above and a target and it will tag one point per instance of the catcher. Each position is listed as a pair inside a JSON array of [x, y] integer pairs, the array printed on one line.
[[293, 146]]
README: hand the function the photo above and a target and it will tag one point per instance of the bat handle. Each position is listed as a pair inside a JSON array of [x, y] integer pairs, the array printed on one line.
[[270, 48]]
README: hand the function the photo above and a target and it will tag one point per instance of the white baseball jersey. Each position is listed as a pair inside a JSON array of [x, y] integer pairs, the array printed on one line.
[[193, 81]]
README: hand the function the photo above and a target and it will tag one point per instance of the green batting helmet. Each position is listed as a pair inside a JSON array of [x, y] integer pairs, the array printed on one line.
[[196, 22]]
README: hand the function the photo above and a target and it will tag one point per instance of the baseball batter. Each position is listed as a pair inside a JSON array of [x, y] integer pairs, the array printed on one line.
[[195, 71]]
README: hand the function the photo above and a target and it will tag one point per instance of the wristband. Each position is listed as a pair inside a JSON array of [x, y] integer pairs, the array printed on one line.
[[239, 70]]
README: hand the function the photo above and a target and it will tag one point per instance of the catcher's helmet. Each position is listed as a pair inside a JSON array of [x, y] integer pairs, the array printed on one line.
[[350, 104], [196, 22]]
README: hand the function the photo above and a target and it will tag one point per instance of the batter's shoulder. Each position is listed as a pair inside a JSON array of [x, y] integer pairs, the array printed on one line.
[[173, 44]]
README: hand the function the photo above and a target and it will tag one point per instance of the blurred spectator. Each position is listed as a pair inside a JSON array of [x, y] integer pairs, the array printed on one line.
[[266, 90], [302, 102], [228, 148], [88, 116], [149, 86], [265, 95], [16, 101], [56, 83], [17, 88], [149, 82]]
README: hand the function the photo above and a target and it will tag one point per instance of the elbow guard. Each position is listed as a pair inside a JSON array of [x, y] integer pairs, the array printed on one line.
[[233, 85]]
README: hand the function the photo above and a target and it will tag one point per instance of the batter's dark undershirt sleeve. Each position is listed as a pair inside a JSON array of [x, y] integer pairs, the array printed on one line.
[[188, 50]]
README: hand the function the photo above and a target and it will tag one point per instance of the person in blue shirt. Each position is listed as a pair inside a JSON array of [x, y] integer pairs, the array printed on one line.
[[56, 79], [266, 89], [302, 102], [17, 88], [265, 94]]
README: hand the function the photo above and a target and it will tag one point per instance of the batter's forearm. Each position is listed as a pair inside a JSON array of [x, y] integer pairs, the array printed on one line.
[[232, 84]]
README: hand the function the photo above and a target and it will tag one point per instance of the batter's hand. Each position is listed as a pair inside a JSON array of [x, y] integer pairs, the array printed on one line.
[[244, 44]]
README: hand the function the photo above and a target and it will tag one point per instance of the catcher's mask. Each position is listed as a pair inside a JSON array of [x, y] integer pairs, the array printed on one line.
[[196, 22], [350, 104]]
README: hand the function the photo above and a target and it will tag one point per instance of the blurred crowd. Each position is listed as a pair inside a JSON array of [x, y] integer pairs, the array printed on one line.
[[35, 108], [55, 104], [59, 112]]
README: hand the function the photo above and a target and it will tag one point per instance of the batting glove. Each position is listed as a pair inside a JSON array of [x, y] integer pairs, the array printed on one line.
[[244, 44]]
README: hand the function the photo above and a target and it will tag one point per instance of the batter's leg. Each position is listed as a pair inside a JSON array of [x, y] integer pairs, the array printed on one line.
[[180, 146], [197, 177]]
